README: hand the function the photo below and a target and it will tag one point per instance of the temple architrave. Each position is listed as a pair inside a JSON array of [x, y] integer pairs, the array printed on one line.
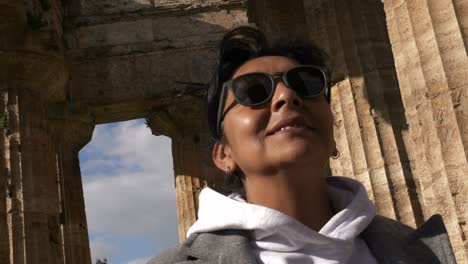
[[399, 97]]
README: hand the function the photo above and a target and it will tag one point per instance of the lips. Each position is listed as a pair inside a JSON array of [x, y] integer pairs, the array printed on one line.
[[288, 123]]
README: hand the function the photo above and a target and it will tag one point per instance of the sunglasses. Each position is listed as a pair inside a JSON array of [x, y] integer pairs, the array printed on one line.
[[257, 88]]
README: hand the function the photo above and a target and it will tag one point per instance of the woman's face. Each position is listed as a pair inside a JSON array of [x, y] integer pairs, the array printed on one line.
[[287, 131]]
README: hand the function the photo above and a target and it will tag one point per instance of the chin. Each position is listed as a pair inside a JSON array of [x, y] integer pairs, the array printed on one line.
[[297, 152]]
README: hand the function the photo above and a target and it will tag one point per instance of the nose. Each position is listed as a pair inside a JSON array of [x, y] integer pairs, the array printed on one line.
[[285, 96]]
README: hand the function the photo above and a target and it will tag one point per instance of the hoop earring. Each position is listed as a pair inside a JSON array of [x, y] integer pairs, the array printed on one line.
[[336, 154]]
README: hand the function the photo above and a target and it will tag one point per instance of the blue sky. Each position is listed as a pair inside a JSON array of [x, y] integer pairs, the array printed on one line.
[[128, 184]]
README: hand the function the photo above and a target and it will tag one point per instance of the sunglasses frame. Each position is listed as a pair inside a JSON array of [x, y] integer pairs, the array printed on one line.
[[272, 77]]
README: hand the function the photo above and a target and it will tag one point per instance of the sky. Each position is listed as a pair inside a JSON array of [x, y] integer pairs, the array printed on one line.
[[128, 183]]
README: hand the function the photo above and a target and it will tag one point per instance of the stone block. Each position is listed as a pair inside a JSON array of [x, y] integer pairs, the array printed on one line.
[[134, 60], [117, 33], [132, 78], [100, 7], [106, 7]]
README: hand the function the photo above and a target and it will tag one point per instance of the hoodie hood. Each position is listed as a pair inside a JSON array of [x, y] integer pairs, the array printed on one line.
[[279, 238]]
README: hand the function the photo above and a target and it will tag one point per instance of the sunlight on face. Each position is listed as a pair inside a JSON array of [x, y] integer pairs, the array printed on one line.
[[248, 130]]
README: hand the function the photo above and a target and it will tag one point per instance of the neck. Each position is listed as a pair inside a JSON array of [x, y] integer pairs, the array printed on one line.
[[299, 194]]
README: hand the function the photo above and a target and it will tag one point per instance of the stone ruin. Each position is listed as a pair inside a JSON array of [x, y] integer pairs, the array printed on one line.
[[400, 100]]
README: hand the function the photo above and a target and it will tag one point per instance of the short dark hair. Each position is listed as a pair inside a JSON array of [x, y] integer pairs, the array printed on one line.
[[239, 46]]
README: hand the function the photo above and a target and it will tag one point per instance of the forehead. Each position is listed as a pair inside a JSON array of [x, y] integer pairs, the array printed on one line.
[[267, 64]]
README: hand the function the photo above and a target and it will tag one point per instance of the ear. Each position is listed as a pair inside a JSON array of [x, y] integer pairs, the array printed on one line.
[[222, 157]]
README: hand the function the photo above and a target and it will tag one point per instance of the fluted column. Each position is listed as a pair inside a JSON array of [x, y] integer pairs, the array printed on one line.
[[184, 122], [429, 45], [33, 69], [41, 205], [30, 157], [75, 132], [12, 21], [5, 204], [365, 97], [369, 117], [461, 10], [15, 188]]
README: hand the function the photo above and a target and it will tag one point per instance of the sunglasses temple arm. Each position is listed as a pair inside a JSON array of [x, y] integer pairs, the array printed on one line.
[[329, 86], [220, 108]]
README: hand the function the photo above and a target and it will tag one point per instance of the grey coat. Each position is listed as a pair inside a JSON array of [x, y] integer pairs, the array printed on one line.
[[388, 240]]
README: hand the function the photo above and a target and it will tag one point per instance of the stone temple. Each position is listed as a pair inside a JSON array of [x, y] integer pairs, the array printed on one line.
[[400, 100]]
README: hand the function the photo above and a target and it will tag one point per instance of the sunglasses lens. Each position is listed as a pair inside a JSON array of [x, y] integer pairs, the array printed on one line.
[[306, 81], [252, 89]]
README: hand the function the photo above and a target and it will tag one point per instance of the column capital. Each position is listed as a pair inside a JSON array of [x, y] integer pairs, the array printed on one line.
[[183, 116], [184, 121], [72, 130], [43, 74], [32, 48]]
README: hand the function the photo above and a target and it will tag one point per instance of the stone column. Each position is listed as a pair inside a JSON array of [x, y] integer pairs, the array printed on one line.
[[429, 45], [369, 117], [461, 10], [41, 203], [12, 21], [15, 188], [33, 69], [30, 166], [75, 133], [5, 204], [184, 122], [365, 97]]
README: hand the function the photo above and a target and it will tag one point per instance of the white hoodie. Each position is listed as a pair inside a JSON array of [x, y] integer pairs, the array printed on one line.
[[280, 239]]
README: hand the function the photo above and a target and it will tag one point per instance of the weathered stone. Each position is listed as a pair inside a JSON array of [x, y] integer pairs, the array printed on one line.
[[15, 190], [75, 133], [144, 66], [5, 205], [34, 73], [405, 138], [41, 203], [109, 7], [191, 152], [430, 56], [287, 26], [98, 7], [461, 10]]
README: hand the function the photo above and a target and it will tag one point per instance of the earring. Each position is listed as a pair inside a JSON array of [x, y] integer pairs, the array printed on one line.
[[228, 171], [336, 154]]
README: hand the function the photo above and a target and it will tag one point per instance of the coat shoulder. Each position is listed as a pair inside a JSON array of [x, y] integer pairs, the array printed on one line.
[[393, 242], [233, 246], [171, 255]]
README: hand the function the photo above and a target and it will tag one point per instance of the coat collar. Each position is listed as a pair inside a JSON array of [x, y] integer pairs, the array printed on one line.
[[388, 240], [393, 242]]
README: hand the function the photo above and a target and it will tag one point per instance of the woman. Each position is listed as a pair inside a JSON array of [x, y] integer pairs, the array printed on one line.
[[268, 109]]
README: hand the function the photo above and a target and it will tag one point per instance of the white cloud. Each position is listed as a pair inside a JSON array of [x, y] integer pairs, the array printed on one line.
[[131, 204], [128, 185], [101, 249], [133, 144], [140, 260]]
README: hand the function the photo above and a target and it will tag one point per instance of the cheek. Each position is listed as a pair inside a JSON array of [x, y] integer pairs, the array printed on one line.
[[328, 126], [244, 130], [245, 124], [323, 116], [326, 116]]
